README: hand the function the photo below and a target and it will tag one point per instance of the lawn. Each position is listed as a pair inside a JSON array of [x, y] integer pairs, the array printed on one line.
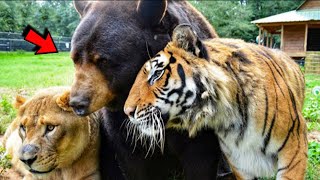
[[26, 70], [23, 73]]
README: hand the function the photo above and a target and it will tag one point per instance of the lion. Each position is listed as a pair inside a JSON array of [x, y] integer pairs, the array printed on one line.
[[48, 141]]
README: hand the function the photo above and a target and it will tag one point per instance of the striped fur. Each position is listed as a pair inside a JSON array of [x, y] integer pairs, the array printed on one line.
[[250, 95]]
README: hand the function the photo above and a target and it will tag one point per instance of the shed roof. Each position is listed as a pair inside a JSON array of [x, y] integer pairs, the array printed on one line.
[[291, 16]]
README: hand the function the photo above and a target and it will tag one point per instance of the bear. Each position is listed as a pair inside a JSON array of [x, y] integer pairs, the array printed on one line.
[[109, 46], [48, 141]]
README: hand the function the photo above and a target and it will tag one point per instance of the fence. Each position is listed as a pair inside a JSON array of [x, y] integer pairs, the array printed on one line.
[[15, 41]]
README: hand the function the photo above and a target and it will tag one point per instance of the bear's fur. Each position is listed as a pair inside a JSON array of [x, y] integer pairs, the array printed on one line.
[[109, 46]]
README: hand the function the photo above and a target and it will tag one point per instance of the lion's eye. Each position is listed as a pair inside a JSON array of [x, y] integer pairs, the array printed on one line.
[[22, 128], [50, 128], [22, 131]]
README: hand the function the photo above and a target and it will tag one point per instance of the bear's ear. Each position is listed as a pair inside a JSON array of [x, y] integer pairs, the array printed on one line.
[[151, 12], [63, 101], [185, 37], [19, 101], [80, 6]]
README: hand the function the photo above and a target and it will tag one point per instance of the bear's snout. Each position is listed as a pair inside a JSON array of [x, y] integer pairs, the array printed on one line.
[[80, 105]]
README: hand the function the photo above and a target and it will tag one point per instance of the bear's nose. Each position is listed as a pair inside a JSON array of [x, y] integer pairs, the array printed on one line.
[[79, 105], [29, 154], [129, 111]]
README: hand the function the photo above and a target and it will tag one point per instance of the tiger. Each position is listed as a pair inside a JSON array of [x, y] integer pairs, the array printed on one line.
[[250, 95]]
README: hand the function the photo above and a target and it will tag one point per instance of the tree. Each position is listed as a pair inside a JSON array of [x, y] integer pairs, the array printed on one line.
[[58, 16], [232, 19]]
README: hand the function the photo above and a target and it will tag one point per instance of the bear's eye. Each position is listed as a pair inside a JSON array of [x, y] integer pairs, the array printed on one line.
[[50, 128]]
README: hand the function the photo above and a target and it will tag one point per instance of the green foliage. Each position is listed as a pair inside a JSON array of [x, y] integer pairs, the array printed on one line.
[[58, 16], [4, 161], [311, 108], [7, 113], [314, 152], [313, 160], [313, 126], [311, 111], [230, 18], [233, 18]]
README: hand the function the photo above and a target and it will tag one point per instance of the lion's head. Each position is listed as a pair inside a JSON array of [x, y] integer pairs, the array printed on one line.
[[53, 137]]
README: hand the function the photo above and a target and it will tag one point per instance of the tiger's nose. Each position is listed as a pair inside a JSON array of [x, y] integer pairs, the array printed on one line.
[[129, 111]]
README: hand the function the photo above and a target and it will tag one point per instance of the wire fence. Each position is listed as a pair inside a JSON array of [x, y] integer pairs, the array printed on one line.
[[15, 41]]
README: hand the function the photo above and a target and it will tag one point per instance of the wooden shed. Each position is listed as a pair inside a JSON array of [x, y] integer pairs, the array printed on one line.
[[299, 31]]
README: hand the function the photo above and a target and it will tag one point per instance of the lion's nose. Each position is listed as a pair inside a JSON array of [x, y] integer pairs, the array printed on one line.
[[129, 111], [29, 154], [80, 105]]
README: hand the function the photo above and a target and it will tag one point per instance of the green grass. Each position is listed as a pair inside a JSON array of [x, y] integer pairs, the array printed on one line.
[[4, 161], [23, 73], [26, 70], [7, 112]]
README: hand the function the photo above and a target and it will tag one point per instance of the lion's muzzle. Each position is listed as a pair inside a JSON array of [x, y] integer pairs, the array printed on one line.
[[29, 154]]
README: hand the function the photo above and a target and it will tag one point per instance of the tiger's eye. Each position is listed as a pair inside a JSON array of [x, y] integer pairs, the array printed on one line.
[[158, 73]]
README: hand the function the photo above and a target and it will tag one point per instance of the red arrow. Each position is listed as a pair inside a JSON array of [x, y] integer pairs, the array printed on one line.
[[44, 43]]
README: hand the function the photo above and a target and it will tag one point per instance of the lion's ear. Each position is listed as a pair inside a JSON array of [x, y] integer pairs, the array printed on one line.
[[151, 12], [19, 101], [63, 101], [185, 37]]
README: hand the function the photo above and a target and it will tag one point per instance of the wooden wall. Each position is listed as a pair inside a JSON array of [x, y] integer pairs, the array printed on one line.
[[293, 40], [311, 4]]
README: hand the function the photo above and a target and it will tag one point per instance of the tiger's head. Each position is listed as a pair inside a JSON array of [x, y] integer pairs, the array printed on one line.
[[166, 88]]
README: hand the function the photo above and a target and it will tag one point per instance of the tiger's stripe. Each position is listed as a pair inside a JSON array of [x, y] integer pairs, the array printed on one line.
[[252, 96]]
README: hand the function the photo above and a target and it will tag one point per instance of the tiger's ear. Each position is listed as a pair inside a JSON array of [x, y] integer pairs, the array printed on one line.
[[151, 12], [19, 101], [63, 101], [80, 6], [185, 37]]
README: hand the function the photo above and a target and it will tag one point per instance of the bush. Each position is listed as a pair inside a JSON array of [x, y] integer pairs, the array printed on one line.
[[20, 51], [311, 111], [313, 160], [314, 152], [4, 161], [7, 113]]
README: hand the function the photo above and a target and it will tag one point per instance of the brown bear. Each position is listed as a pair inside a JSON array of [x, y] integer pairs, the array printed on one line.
[[109, 46]]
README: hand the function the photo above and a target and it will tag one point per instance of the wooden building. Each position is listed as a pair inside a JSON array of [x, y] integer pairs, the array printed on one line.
[[299, 31]]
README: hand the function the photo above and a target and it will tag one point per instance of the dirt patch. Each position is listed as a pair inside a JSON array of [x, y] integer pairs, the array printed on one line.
[[9, 174], [314, 136], [13, 92]]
